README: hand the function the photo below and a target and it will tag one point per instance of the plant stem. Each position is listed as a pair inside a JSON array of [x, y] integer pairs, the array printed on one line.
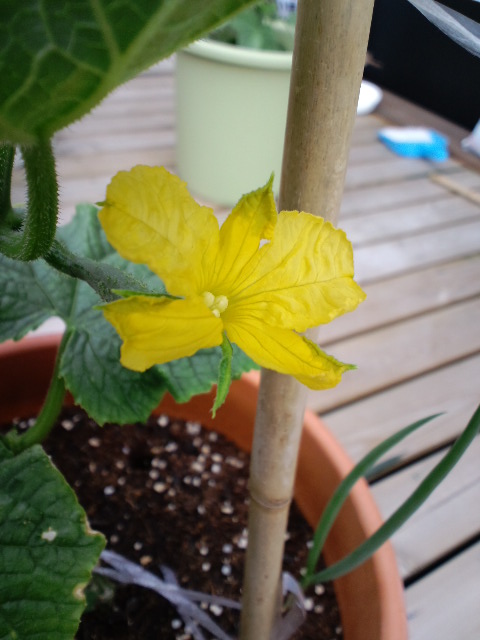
[[37, 234], [7, 155], [328, 60], [49, 412], [102, 277]]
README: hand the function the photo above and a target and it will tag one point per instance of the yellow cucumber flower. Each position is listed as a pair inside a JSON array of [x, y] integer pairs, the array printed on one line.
[[262, 278]]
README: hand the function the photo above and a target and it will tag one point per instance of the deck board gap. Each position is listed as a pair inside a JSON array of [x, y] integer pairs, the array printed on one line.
[[441, 561]]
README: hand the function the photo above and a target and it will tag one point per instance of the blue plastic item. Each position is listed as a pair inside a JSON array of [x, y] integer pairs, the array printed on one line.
[[415, 142]]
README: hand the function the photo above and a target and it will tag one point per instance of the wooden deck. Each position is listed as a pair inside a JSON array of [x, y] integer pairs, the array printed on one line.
[[415, 227]]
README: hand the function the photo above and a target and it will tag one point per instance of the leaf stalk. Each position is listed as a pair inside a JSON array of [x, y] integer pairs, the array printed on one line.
[[36, 236], [49, 412]]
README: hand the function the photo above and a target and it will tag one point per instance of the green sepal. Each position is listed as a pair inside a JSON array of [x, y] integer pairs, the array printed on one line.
[[188, 377], [128, 293], [224, 374]]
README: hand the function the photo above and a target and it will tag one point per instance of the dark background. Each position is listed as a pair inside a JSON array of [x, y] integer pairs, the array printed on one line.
[[420, 63]]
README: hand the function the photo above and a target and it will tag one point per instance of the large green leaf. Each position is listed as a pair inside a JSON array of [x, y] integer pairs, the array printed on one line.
[[32, 292], [59, 59], [47, 551], [190, 376]]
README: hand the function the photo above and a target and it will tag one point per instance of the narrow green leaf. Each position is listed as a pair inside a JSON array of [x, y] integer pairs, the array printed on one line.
[[128, 293], [224, 375], [47, 551], [341, 494], [405, 511]]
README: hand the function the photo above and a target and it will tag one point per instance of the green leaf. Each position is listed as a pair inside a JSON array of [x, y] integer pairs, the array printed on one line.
[[58, 60], [188, 377], [405, 511], [85, 236], [32, 292], [47, 551], [361, 469], [98, 382], [224, 374]]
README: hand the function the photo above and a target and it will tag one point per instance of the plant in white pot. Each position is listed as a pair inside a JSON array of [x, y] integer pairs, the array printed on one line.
[[258, 281], [232, 93]]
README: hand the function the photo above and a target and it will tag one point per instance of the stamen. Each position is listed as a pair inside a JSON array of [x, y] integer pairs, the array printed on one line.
[[217, 304], [208, 298]]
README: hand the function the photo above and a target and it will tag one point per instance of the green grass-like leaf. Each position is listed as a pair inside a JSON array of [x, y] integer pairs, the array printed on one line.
[[400, 516]]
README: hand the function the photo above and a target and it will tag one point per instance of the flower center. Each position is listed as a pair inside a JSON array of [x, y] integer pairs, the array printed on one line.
[[216, 304]]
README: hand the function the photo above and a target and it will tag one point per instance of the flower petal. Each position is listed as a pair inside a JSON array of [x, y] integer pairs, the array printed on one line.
[[252, 220], [304, 277], [150, 218], [287, 352], [157, 330]]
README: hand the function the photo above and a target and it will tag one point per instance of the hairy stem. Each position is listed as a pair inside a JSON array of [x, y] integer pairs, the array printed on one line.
[[101, 277], [328, 59], [36, 236], [7, 155]]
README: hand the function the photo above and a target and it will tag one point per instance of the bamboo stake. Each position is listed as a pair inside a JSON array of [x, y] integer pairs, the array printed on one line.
[[328, 60]]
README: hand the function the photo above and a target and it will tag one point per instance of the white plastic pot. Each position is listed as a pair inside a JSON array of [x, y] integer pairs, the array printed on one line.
[[231, 115]]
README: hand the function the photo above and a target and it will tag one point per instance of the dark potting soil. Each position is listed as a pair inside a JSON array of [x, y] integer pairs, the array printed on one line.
[[171, 493]]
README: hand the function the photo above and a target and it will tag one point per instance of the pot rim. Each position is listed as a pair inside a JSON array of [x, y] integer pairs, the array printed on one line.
[[225, 53], [378, 609]]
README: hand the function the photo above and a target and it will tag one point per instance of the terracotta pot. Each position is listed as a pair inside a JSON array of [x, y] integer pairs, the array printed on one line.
[[371, 597]]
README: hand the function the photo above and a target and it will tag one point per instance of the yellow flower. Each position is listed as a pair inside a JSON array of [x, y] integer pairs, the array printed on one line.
[[262, 278]]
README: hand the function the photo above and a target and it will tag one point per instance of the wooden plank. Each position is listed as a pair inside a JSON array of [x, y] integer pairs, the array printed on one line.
[[407, 295], [447, 520], [388, 196], [131, 97], [368, 152], [395, 169], [365, 133], [118, 142], [157, 119], [106, 163], [444, 605], [112, 108], [403, 221], [395, 353], [143, 85], [405, 254], [466, 184], [82, 180], [453, 390]]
